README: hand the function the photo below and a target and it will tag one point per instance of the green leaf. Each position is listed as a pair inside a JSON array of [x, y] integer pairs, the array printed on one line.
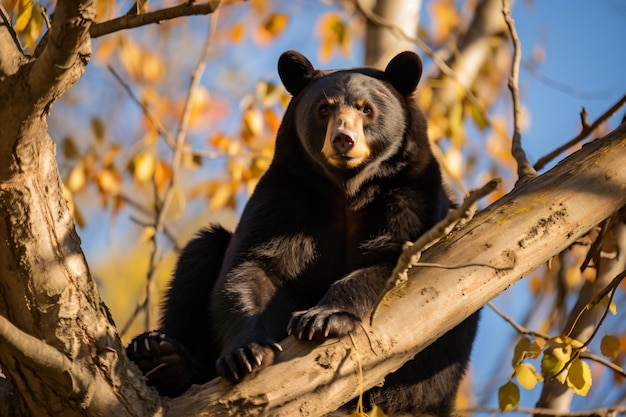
[[549, 363], [527, 376], [508, 396], [579, 377]]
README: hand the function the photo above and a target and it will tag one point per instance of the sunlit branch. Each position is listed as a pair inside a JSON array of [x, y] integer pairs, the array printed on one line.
[[524, 168], [157, 16], [34, 350], [586, 130], [412, 251]]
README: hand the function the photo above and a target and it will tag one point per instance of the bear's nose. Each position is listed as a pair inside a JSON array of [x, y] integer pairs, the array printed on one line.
[[342, 141]]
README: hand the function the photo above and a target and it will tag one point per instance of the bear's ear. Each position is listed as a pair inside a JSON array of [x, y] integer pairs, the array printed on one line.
[[295, 71], [404, 72]]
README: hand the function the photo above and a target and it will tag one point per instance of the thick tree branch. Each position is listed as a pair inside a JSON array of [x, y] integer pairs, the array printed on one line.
[[10, 49], [66, 53], [157, 16], [32, 350], [527, 227]]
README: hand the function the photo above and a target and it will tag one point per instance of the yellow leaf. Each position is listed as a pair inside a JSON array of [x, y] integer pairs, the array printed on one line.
[[109, 156], [98, 128], [108, 181], [376, 412], [220, 197], [33, 28], [333, 33], [508, 396], [144, 165], [610, 346], [24, 15], [527, 376], [579, 377], [272, 27], [162, 174], [70, 151], [147, 234], [536, 347], [237, 33], [253, 123], [519, 352], [77, 179], [549, 363], [612, 307], [444, 17]]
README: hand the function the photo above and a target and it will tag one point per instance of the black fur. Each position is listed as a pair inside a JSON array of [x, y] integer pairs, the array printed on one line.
[[316, 242]]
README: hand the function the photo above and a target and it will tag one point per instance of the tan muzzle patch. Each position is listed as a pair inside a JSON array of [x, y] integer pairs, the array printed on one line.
[[345, 145]]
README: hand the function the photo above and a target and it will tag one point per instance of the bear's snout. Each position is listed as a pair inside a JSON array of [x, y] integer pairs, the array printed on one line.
[[342, 141]]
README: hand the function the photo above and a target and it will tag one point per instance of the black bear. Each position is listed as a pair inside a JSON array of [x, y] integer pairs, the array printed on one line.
[[352, 179]]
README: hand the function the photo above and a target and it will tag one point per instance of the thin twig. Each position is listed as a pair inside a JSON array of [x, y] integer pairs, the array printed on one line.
[[520, 329], [158, 16], [146, 111], [162, 207], [615, 368], [524, 168], [412, 251], [586, 130]]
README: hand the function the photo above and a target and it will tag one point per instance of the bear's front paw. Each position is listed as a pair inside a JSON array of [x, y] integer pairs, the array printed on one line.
[[162, 360], [247, 360], [319, 323]]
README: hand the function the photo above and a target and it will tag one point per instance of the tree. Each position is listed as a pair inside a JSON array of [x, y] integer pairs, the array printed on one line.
[[61, 343]]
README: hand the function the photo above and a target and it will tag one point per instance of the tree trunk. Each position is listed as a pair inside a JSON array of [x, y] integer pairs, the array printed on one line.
[[512, 237], [381, 44], [60, 349]]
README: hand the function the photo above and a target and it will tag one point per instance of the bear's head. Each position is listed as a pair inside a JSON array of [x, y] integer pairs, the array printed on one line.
[[352, 120]]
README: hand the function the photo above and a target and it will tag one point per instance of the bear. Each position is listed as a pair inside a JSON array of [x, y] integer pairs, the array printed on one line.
[[352, 179]]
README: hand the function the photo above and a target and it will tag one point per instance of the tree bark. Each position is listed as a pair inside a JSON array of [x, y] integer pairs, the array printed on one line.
[[60, 349], [381, 44], [512, 237]]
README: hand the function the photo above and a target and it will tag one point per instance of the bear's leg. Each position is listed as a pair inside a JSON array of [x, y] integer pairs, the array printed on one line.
[[183, 351]]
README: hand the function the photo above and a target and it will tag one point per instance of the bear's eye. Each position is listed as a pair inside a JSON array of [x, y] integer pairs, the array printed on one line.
[[367, 109], [323, 110]]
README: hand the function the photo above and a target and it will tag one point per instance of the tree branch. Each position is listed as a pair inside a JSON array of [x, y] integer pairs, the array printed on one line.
[[524, 169], [32, 350], [157, 16], [66, 53], [522, 227], [586, 130], [412, 251], [10, 49], [520, 329]]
